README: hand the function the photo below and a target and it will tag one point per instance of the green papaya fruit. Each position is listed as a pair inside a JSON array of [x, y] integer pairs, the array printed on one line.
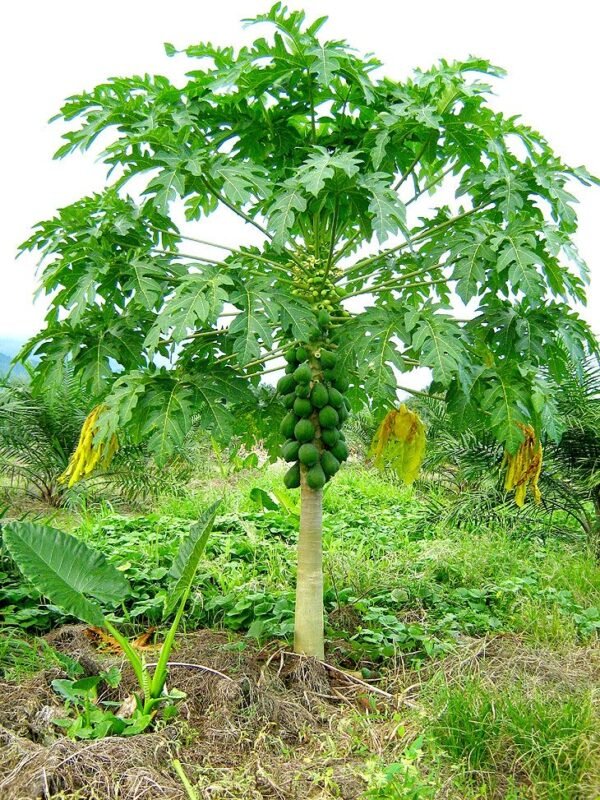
[[303, 374], [308, 455], [301, 354], [289, 368], [304, 430], [329, 463], [328, 417], [341, 383], [323, 318], [319, 396], [288, 400], [346, 402], [303, 390], [340, 450], [302, 407], [315, 477], [336, 398], [328, 359], [289, 450], [330, 436], [290, 355], [292, 477], [287, 425], [286, 384], [343, 413]]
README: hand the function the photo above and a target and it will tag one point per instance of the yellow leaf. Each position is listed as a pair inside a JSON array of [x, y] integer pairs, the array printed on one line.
[[400, 443], [524, 467], [87, 456]]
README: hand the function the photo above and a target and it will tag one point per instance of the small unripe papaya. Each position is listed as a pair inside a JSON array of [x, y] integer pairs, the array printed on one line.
[[329, 463], [323, 318], [328, 417], [290, 355], [319, 396], [341, 383], [302, 407], [336, 399], [301, 354], [303, 374], [315, 477], [288, 400], [286, 384], [340, 450], [289, 450], [292, 477], [303, 390], [288, 424], [304, 430], [330, 436], [328, 359], [308, 455]]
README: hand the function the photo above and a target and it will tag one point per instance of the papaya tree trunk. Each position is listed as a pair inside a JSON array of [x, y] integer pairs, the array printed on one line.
[[308, 630]]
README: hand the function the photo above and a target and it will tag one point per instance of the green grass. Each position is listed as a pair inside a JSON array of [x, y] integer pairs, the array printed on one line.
[[535, 738], [400, 591]]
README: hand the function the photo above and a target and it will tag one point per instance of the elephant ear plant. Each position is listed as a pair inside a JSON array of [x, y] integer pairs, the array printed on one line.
[[78, 579]]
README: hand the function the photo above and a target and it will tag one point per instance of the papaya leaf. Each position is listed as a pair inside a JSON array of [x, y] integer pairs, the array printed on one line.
[[399, 443]]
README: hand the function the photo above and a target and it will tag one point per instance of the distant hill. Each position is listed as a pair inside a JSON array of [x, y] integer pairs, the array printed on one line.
[[8, 350], [10, 347], [18, 371]]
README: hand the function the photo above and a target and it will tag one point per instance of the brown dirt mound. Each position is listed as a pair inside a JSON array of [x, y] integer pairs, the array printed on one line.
[[249, 732], [109, 769]]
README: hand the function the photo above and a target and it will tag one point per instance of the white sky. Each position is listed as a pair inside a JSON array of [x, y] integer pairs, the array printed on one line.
[[51, 50]]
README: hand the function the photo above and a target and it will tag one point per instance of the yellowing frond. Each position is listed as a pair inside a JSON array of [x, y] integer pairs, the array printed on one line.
[[400, 443], [524, 467], [88, 456]]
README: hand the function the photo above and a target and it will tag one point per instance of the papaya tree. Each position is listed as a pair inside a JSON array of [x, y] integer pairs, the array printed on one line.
[[372, 208]]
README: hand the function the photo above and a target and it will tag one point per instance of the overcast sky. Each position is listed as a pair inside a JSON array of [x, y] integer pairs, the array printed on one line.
[[52, 50]]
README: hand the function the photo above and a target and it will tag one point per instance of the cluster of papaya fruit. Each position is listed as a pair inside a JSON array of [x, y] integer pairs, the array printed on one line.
[[314, 282], [313, 392]]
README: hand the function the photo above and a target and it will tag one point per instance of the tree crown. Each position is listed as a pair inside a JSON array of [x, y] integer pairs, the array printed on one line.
[[404, 193]]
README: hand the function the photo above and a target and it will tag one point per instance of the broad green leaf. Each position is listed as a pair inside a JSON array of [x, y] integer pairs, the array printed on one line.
[[326, 63], [167, 406], [239, 182], [388, 213], [472, 256], [250, 329], [218, 391], [185, 563], [504, 400], [198, 300], [166, 187], [517, 253], [283, 212], [65, 570], [317, 169], [439, 342], [146, 282]]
